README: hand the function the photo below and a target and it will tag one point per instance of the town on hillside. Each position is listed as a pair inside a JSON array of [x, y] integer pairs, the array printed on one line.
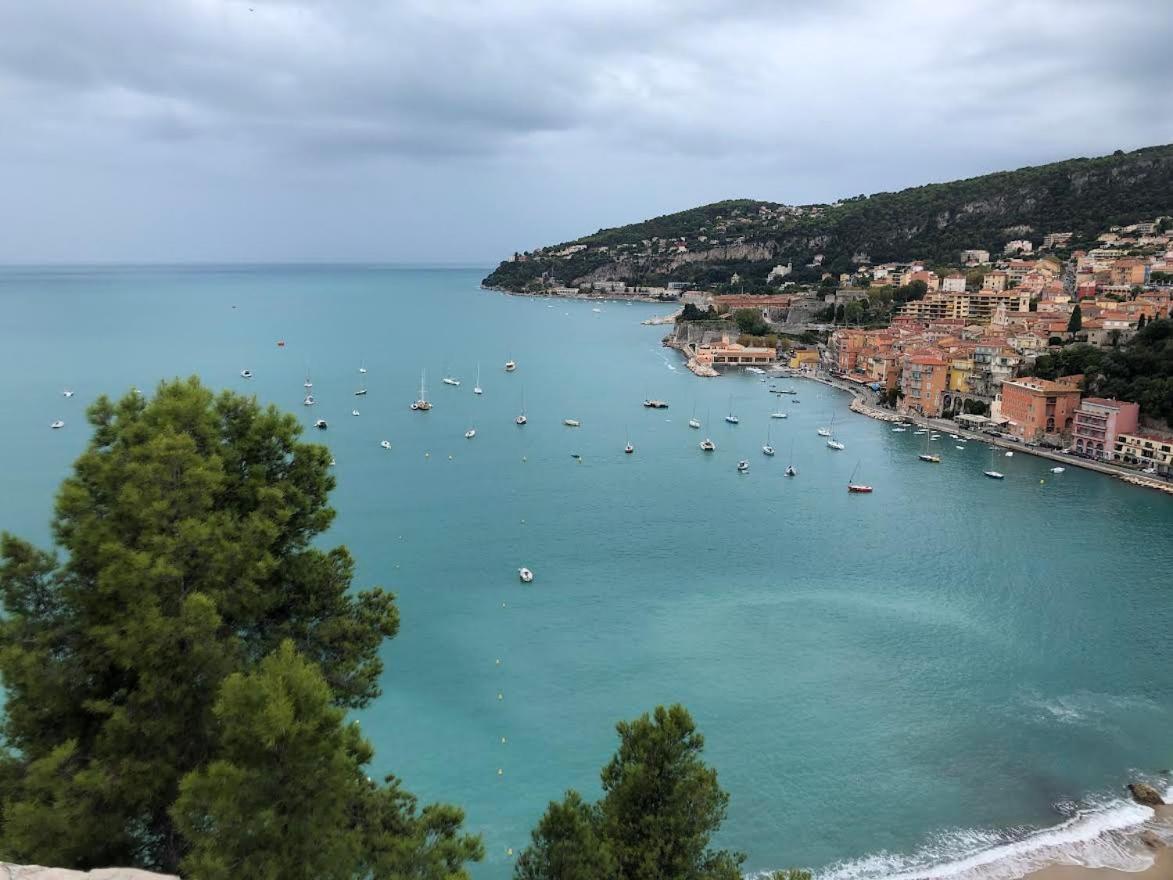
[[965, 342]]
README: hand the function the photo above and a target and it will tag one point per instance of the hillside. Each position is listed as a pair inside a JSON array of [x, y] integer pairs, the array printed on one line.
[[933, 222]]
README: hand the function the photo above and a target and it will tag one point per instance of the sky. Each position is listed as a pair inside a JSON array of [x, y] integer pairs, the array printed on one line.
[[462, 130]]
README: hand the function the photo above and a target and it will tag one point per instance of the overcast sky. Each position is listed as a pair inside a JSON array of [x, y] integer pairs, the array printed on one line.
[[454, 130]]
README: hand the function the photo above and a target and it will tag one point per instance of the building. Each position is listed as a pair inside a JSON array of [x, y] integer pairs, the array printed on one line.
[[1019, 246], [804, 358], [1036, 409], [922, 381], [954, 283], [1128, 271], [974, 257], [1098, 422], [1147, 450], [995, 281], [726, 353], [1056, 239]]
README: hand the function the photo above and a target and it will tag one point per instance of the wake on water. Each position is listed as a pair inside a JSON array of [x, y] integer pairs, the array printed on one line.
[[1102, 834]]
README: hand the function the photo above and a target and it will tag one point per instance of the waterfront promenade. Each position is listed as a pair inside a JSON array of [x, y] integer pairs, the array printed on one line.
[[863, 405]]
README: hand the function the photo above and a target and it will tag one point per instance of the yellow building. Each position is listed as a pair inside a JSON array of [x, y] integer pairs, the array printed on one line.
[[960, 375], [804, 357], [1147, 450]]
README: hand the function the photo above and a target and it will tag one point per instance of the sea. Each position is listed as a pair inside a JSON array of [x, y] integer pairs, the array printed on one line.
[[951, 676]]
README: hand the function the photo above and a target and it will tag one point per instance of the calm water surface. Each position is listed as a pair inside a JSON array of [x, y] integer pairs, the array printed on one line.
[[899, 673]]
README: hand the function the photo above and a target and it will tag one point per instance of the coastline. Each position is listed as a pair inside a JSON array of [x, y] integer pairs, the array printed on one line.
[[1161, 854], [860, 407]]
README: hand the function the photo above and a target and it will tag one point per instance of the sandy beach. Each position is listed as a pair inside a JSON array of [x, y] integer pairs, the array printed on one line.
[[1161, 869]]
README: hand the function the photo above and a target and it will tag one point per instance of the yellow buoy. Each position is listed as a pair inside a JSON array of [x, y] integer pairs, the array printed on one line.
[[500, 771], [500, 696], [502, 604], [502, 740], [450, 458], [509, 851], [498, 661]]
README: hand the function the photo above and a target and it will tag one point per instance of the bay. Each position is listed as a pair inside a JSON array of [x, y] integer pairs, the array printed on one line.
[[871, 673]]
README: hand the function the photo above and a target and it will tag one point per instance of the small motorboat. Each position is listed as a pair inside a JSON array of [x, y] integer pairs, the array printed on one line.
[[708, 445], [824, 432], [629, 449], [386, 444], [694, 423], [57, 425], [510, 366], [899, 430], [450, 380], [576, 456], [333, 462], [360, 392], [743, 467], [470, 433], [1058, 470], [757, 370], [281, 343], [572, 423], [790, 471], [309, 400], [1009, 454], [994, 475], [527, 576], [246, 374], [656, 404], [767, 449], [858, 488], [934, 436], [778, 415], [67, 393], [834, 444], [355, 412], [959, 447], [520, 420], [321, 425]]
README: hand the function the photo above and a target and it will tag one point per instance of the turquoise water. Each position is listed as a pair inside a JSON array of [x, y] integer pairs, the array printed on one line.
[[900, 673]]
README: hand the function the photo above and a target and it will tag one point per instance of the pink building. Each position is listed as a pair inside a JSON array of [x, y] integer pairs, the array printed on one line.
[[1097, 423]]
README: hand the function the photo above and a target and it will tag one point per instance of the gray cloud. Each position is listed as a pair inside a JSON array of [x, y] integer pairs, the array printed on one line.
[[522, 121]]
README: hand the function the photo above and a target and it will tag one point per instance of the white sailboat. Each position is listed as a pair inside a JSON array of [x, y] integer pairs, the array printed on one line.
[[422, 405], [790, 470], [731, 419], [362, 390], [743, 467], [476, 389], [991, 473], [510, 365], [521, 419], [930, 457], [832, 443], [361, 368], [57, 425], [694, 422], [825, 431], [308, 383], [470, 433], [767, 449]]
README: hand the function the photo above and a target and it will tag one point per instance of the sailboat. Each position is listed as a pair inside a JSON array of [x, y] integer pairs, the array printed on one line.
[[707, 445], [929, 456], [521, 419], [827, 431], [694, 422], [476, 389], [362, 388], [361, 368], [510, 365], [832, 443], [450, 379], [308, 383], [857, 488], [470, 433], [790, 471], [767, 449], [743, 467], [991, 473], [422, 405], [628, 448], [731, 419]]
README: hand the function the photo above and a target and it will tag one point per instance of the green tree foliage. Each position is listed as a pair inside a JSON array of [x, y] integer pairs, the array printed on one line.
[[691, 312], [750, 321], [189, 527], [661, 805], [567, 845], [1075, 322]]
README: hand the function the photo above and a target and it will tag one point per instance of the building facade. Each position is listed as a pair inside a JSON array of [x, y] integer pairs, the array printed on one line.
[[1098, 423], [1036, 409]]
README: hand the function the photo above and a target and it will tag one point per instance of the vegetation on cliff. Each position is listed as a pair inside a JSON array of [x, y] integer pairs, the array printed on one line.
[[933, 222], [1141, 370]]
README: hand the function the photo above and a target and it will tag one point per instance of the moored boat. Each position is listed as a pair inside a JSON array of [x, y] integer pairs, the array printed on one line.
[[527, 576]]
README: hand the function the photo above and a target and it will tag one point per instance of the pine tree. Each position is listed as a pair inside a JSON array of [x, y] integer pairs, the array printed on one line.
[[188, 526], [1075, 322]]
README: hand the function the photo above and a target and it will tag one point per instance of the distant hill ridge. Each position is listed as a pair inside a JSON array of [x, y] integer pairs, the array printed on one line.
[[706, 245]]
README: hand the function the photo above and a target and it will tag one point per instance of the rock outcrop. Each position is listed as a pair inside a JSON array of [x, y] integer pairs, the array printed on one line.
[[1143, 793], [36, 872]]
